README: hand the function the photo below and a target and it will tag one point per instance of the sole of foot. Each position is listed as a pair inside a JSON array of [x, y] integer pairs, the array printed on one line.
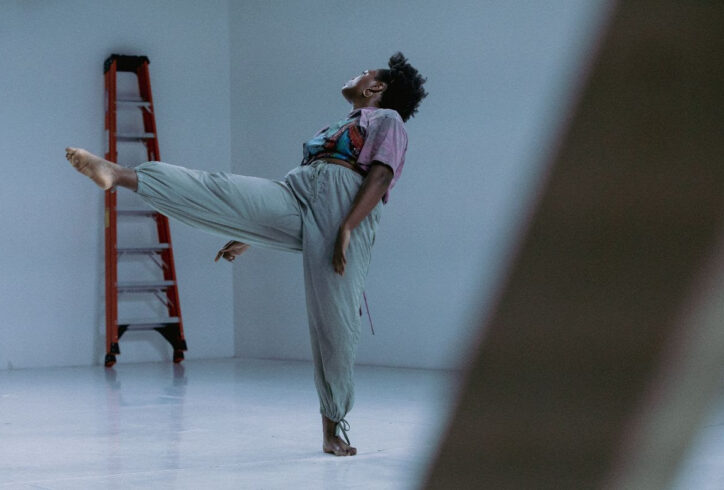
[[94, 167]]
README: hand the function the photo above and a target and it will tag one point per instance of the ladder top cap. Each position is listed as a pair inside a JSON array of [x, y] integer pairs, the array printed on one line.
[[125, 62]]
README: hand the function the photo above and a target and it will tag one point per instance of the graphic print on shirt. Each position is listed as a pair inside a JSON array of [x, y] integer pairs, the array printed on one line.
[[343, 140]]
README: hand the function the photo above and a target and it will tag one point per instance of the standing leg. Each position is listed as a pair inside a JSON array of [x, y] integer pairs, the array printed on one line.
[[334, 327], [333, 301]]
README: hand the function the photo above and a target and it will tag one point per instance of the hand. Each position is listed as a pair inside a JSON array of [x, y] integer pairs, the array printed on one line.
[[339, 259], [231, 250]]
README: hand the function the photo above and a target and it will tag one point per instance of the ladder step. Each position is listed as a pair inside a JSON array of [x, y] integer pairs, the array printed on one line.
[[135, 212], [130, 136], [144, 286], [133, 103], [143, 250], [147, 323]]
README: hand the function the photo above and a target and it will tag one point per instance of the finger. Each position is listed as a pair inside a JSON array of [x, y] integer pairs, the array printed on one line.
[[225, 248], [218, 256]]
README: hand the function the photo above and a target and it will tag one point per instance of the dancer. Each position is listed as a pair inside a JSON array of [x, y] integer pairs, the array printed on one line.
[[327, 208]]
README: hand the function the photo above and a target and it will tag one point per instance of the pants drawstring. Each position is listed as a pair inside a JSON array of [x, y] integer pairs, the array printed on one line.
[[343, 425], [364, 295]]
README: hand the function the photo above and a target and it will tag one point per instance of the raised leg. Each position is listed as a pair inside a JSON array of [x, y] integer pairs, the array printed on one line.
[[252, 210]]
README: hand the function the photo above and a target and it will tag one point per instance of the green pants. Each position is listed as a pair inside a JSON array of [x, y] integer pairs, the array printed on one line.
[[301, 213]]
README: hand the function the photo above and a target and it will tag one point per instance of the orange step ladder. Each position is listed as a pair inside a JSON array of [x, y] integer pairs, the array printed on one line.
[[165, 290]]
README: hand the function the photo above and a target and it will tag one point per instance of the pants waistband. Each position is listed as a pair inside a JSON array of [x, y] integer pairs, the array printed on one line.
[[332, 162]]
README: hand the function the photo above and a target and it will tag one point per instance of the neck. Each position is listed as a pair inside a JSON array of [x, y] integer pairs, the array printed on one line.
[[358, 104]]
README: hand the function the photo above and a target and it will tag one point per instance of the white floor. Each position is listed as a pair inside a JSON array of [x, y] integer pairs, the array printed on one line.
[[702, 467], [239, 423], [218, 424]]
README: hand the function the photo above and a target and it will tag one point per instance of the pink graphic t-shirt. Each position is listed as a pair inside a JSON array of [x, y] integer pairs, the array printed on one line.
[[366, 135]]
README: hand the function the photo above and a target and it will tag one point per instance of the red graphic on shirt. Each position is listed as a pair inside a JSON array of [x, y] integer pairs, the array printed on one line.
[[356, 138]]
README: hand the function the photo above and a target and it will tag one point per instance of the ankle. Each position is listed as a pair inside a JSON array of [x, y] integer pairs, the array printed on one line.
[[329, 427], [124, 177]]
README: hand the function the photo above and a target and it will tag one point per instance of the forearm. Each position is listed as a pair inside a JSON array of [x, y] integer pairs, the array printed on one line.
[[368, 196]]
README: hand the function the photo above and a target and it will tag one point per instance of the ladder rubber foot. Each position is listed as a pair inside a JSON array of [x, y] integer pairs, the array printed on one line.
[[178, 356], [110, 360], [115, 349]]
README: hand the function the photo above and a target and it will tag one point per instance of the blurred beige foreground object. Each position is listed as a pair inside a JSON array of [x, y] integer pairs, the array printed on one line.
[[606, 342]]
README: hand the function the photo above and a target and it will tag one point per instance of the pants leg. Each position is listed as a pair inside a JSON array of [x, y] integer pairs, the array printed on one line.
[[333, 301], [253, 210]]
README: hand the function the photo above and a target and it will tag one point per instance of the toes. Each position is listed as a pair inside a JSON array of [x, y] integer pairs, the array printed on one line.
[[70, 153]]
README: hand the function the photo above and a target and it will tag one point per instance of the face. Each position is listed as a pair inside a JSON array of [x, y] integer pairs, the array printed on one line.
[[355, 87]]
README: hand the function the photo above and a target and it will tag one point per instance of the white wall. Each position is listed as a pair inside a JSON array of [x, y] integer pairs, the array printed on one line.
[[51, 238], [500, 78], [501, 75]]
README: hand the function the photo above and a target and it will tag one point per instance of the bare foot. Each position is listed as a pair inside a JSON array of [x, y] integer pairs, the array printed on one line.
[[332, 443], [100, 171]]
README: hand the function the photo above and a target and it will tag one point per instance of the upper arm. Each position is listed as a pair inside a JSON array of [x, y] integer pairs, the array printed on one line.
[[385, 143], [381, 170]]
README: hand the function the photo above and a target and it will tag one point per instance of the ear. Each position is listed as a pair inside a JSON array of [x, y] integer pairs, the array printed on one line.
[[378, 87]]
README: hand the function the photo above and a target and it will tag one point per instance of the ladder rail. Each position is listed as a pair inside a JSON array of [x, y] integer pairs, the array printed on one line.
[[110, 218], [162, 224]]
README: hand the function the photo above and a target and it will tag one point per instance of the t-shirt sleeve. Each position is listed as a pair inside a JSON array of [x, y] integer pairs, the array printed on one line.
[[385, 141]]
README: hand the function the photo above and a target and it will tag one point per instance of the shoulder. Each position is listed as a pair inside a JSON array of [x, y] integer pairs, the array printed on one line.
[[383, 120], [385, 114]]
